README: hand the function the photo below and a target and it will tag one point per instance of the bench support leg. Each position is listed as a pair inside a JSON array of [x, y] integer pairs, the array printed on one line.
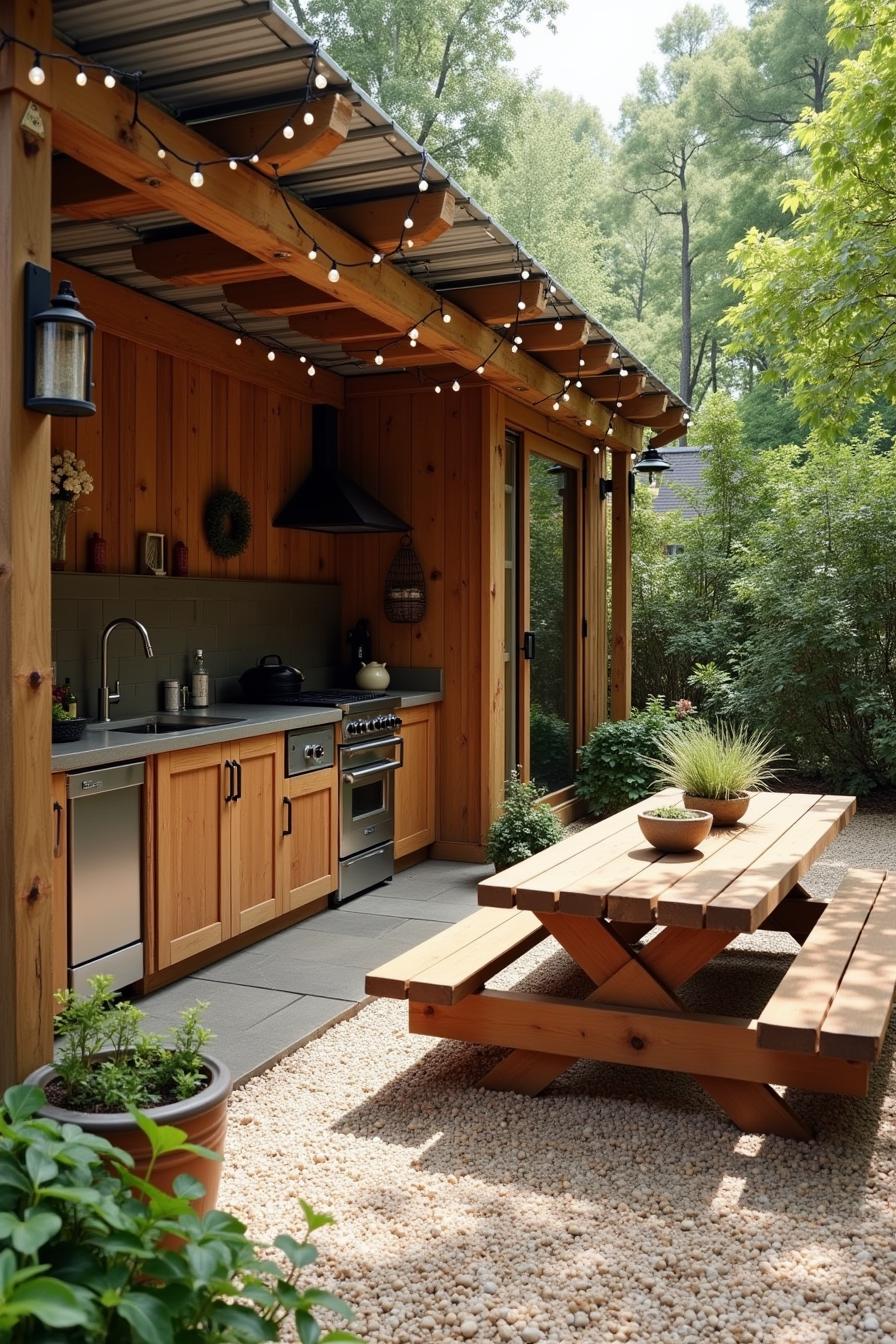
[[645, 978]]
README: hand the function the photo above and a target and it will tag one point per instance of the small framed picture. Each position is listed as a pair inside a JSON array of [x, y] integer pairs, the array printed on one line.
[[152, 553]]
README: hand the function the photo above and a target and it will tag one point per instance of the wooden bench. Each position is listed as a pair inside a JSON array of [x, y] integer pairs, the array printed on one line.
[[458, 961], [836, 997]]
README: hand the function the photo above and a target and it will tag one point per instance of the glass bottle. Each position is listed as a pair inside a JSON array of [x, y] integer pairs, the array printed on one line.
[[199, 688]]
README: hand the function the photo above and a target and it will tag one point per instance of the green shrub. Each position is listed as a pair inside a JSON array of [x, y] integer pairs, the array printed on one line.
[[90, 1254], [615, 764], [550, 746], [139, 1069], [720, 762], [524, 827]]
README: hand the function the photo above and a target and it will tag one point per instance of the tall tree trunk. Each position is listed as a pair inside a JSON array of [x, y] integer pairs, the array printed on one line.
[[684, 374], [714, 362]]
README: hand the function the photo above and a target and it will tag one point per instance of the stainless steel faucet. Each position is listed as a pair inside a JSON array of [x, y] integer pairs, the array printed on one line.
[[107, 697]]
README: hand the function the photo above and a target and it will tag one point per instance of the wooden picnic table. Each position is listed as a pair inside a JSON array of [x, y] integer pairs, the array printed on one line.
[[599, 891]]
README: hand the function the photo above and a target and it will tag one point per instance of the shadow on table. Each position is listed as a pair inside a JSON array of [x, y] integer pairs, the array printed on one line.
[[597, 1118]]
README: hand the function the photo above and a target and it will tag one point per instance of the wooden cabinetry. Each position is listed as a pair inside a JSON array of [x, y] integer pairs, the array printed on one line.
[[59, 876], [415, 782], [311, 836], [256, 885]]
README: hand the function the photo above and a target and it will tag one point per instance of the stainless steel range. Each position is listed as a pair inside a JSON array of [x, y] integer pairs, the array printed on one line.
[[370, 751]]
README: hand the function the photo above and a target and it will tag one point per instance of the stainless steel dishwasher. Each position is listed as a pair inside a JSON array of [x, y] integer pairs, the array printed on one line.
[[105, 874]]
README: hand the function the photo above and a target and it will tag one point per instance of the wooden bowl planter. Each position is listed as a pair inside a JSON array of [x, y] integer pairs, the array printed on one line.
[[203, 1117], [725, 811], [675, 835]]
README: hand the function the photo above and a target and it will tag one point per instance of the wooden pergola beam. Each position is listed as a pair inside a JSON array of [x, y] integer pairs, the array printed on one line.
[[585, 361], [674, 432], [243, 135], [643, 410], [401, 357], [381, 223], [611, 387], [281, 297], [80, 192], [95, 125], [667, 420], [542, 336], [346, 325], [496, 304], [199, 259]]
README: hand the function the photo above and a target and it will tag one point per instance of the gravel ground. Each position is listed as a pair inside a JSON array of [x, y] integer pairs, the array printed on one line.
[[620, 1205]]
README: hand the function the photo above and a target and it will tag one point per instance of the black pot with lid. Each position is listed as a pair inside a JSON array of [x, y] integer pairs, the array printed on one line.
[[271, 681]]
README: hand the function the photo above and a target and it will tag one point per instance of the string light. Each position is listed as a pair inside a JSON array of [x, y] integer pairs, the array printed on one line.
[[288, 131], [446, 318], [37, 74], [409, 242], [423, 185], [196, 178], [455, 386], [438, 387], [481, 369], [578, 382], [588, 426], [414, 334], [81, 77], [376, 258], [308, 118], [552, 288], [566, 396], [378, 357], [312, 252], [521, 304], [238, 340], [623, 372], [233, 165], [517, 340], [320, 81], [160, 152], [311, 370], [558, 325], [333, 274], [525, 273], [556, 405], [272, 355], [408, 222], [254, 158], [109, 80]]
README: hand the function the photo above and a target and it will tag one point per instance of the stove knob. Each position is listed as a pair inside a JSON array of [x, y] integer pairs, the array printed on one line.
[[351, 729], [309, 752], [396, 722], [361, 726], [378, 724], [318, 752]]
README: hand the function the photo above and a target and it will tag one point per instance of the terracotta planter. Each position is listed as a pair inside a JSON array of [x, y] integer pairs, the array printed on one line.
[[725, 811], [676, 835], [204, 1117]]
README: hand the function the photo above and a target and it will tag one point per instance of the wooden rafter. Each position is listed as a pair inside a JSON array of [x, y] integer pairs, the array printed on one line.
[[611, 387], [82, 193], [281, 297], [670, 435], [199, 259], [644, 409], [381, 223], [346, 325], [95, 125], [401, 357], [582, 362], [495, 304], [243, 135], [667, 420], [541, 336]]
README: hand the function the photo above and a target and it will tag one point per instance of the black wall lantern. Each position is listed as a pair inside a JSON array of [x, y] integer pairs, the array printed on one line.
[[58, 348], [650, 464]]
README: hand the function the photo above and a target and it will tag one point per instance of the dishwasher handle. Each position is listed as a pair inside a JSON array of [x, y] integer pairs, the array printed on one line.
[[89, 783]]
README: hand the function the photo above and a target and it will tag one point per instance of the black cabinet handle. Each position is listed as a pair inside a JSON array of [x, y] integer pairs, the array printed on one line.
[[57, 843], [239, 781], [528, 645], [287, 803], [228, 796]]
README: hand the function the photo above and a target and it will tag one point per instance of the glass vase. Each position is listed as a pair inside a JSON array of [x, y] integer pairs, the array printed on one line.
[[60, 509]]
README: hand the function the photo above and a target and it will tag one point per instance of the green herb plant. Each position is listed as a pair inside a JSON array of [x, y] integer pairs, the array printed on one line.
[[725, 761], [106, 1062], [525, 826], [673, 813], [92, 1254]]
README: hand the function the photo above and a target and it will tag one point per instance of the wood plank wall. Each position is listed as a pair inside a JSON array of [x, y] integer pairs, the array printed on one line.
[[167, 433], [423, 456]]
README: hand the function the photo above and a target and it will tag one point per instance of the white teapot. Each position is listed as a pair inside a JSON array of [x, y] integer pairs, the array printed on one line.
[[372, 677]]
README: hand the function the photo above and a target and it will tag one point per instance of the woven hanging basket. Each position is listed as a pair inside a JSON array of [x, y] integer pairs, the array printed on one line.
[[405, 596]]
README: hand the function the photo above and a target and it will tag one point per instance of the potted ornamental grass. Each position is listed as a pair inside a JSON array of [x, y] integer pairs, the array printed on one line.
[[674, 829], [716, 768], [107, 1068], [92, 1253]]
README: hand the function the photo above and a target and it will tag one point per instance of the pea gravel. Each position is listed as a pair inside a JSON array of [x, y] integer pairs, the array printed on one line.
[[621, 1205]]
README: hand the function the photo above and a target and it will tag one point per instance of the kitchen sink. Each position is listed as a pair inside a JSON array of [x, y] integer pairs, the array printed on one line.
[[173, 723]]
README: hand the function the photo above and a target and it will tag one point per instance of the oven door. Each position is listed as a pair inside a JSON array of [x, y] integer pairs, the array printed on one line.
[[367, 803]]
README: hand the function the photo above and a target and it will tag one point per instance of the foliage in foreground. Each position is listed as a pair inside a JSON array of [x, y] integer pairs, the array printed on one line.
[[90, 1254], [615, 764], [720, 762], [139, 1068], [524, 827]]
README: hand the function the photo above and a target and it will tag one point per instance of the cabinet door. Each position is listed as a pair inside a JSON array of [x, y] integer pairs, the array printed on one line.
[[193, 826], [60, 883], [311, 823], [257, 827], [415, 782]]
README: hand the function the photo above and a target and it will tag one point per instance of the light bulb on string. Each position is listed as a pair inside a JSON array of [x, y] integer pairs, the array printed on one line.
[[481, 369], [438, 387], [378, 358], [517, 340], [37, 74], [581, 363], [412, 343], [414, 334], [376, 258], [556, 405], [196, 178], [525, 273], [614, 353], [558, 325], [521, 305], [423, 185], [566, 396], [446, 318], [566, 382], [588, 426], [308, 118], [311, 370], [506, 325], [237, 340], [623, 372], [288, 131], [552, 288], [320, 80], [161, 152], [81, 77], [409, 242], [233, 165], [312, 253], [272, 355], [455, 386], [109, 80], [333, 275], [578, 382], [254, 158], [303, 359], [408, 222]]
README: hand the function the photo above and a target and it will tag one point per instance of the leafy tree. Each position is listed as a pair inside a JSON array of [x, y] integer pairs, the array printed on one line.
[[821, 300], [440, 67]]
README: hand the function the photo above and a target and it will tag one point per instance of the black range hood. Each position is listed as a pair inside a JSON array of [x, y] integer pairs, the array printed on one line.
[[327, 501]]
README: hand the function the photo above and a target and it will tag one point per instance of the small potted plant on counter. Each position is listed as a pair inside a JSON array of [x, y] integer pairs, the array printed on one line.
[[107, 1068], [716, 768], [674, 829], [86, 1257], [525, 826]]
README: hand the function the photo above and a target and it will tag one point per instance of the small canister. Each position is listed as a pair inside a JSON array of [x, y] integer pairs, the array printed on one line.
[[171, 695]]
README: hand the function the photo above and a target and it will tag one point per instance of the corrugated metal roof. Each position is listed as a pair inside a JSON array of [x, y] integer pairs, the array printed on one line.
[[225, 56]]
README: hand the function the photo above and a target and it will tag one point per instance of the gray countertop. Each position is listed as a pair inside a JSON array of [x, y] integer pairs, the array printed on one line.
[[105, 746]]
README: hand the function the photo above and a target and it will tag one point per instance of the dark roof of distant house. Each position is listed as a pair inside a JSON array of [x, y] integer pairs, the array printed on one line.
[[687, 470]]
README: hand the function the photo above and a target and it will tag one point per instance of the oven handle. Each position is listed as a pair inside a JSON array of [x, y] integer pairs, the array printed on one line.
[[347, 747], [376, 768]]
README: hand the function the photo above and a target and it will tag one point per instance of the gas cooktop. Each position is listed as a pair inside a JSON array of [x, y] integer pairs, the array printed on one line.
[[339, 699]]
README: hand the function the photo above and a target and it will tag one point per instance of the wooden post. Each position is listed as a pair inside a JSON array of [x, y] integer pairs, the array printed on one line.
[[621, 613], [26, 1002]]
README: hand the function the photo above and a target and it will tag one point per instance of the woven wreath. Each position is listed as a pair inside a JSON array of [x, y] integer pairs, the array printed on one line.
[[228, 523]]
